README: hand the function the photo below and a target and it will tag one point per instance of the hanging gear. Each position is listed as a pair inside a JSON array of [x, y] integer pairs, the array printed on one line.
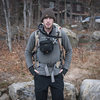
[[46, 46]]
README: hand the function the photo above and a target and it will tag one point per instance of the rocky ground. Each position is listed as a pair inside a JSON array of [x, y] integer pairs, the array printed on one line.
[[85, 64]]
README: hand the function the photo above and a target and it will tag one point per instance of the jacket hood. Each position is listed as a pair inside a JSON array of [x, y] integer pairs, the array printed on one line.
[[41, 28]]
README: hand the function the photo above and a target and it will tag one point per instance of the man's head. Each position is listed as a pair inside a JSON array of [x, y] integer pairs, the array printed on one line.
[[48, 18], [48, 13]]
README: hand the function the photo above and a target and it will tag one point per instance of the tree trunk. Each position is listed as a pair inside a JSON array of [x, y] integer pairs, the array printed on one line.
[[92, 14], [71, 12], [17, 20], [8, 25], [65, 12], [25, 22], [30, 17], [58, 14], [38, 11], [92, 20]]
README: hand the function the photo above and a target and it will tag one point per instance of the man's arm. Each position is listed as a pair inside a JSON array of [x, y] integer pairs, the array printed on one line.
[[68, 51], [28, 53]]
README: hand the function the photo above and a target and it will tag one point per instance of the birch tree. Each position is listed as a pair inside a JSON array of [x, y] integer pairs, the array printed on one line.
[[25, 22], [8, 25]]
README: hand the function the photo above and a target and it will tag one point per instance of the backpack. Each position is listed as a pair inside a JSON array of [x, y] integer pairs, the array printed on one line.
[[59, 39]]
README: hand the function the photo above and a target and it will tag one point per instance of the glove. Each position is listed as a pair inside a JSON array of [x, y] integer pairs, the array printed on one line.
[[64, 71], [31, 69]]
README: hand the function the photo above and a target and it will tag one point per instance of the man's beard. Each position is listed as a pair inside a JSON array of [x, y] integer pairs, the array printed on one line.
[[48, 27]]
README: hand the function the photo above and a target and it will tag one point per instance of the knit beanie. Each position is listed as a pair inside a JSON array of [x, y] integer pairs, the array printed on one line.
[[48, 13]]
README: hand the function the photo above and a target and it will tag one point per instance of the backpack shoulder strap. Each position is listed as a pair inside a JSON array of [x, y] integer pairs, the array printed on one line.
[[37, 33], [58, 32]]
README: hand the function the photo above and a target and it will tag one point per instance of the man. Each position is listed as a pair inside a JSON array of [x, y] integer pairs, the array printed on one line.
[[48, 70]]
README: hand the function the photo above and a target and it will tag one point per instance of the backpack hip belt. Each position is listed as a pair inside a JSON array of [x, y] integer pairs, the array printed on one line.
[[57, 64]]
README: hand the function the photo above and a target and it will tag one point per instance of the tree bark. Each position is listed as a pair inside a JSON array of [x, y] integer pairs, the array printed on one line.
[[65, 12], [38, 11], [30, 17], [71, 2], [92, 14], [25, 22], [58, 14], [8, 25]]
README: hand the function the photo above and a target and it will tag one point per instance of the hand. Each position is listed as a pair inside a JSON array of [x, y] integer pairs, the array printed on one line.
[[61, 71], [64, 71], [33, 71], [36, 71]]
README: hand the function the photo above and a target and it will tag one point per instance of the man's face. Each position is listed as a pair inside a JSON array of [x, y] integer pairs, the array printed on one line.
[[48, 22]]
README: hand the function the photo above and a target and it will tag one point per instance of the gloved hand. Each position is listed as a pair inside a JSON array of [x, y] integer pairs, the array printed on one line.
[[64, 71], [31, 69]]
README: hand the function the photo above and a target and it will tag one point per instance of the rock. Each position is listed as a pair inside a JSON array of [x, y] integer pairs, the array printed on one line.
[[0, 93], [70, 92], [72, 37], [4, 97], [25, 91], [84, 38], [22, 91], [3, 90], [96, 35], [90, 90], [74, 26]]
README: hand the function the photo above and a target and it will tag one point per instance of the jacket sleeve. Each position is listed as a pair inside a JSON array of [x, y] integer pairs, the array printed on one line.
[[68, 50], [29, 48]]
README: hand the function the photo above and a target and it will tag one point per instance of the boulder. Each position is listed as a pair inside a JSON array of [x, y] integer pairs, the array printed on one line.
[[22, 91], [72, 37], [70, 92], [96, 35], [4, 97], [84, 38], [25, 91], [90, 90]]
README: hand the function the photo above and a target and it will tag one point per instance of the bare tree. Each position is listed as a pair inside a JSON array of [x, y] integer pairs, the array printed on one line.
[[58, 12], [65, 12], [71, 5], [8, 25], [92, 14], [38, 11], [30, 17], [25, 18]]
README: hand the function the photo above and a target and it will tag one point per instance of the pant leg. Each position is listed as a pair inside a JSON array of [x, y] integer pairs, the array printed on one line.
[[57, 88], [41, 87]]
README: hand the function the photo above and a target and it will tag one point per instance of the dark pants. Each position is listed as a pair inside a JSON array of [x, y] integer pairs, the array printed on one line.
[[43, 82]]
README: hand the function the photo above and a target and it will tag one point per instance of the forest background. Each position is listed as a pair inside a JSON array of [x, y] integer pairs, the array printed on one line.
[[19, 18]]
